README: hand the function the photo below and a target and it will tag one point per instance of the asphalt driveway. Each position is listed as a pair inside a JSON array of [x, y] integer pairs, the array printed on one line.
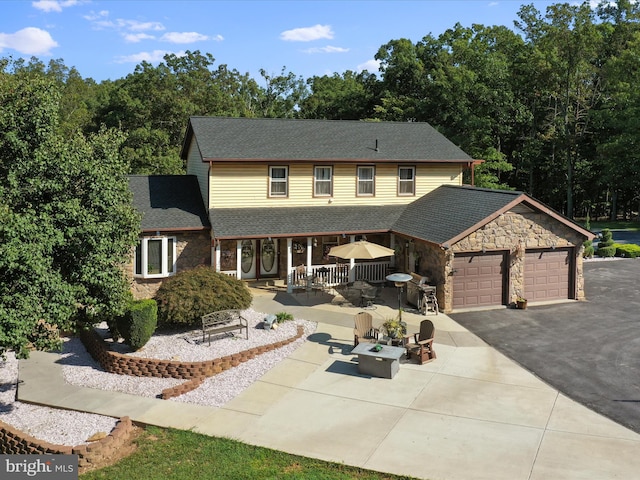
[[588, 350]]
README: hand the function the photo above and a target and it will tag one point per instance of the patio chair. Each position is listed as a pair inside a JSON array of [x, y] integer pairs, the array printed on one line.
[[423, 347], [367, 296], [302, 280], [364, 330]]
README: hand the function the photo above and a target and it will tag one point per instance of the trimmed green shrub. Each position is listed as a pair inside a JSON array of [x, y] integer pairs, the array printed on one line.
[[588, 249], [606, 251], [112, 322], [628, 250], [606, 247], [607, 238], [185, 297], [138, 324], [283, 317]]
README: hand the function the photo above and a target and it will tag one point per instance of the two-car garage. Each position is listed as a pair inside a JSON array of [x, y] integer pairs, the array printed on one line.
[[486, 248], [482, 279]]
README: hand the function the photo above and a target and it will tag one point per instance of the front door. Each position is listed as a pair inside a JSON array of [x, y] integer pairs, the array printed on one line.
[[248, 259], [268, 258]]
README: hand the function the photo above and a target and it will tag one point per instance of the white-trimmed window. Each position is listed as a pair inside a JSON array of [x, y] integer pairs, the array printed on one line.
[[278, 181], [406, 180], [366, 175], [155, 257], [323, 181]]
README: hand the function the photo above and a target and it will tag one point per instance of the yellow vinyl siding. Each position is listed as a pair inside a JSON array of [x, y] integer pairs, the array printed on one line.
[[247, 185]]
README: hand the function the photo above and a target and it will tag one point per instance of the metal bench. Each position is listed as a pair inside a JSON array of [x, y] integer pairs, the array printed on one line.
[[224, 321]]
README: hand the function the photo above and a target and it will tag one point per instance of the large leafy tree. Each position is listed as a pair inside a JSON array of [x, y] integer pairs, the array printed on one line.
[[462, 82], [567, 45], [67, 223], [617, 120], [349, 96], [153, 104]]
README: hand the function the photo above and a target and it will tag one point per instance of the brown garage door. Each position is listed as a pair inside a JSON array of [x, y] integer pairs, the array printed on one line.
[[546, 275], [478, 279]]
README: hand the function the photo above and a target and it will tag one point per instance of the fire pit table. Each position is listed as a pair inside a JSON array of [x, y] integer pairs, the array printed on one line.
[[383, 363]]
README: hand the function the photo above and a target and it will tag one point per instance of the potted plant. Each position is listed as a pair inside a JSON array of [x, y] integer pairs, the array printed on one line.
[[395, 327], [521, 303]]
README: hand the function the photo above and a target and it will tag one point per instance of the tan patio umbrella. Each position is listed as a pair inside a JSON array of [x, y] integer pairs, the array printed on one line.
[[361, 249]]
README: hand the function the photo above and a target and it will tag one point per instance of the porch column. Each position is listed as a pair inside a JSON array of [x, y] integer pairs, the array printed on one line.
[[216, 255], [238, 259], [289, 265], [352, 262], [309, 253], [392, 244]]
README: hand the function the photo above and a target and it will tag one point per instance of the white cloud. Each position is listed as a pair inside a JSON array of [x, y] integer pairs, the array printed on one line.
[[327, 49], [152, 57], [94, 16], [54, 5], [28, 41], [135, 26], [218, 38], [307, 34], [183, 37], [137, 37], [101, 20], [372, 66]]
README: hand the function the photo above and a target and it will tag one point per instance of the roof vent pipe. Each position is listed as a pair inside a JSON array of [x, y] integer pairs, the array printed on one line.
[[377, 145]]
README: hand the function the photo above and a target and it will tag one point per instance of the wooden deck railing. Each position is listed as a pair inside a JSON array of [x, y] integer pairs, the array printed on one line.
[[338, 274]]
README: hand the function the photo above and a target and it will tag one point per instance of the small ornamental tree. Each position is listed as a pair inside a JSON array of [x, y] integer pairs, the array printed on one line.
[[185, 297], [606, 247]]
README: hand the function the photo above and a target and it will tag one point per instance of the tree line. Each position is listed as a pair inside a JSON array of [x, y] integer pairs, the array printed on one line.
[[551, 105]]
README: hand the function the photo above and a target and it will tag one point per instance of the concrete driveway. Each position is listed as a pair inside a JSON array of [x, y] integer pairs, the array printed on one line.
[[590, 351]]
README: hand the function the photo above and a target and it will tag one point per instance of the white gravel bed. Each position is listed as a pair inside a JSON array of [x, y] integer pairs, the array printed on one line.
[[60, 427], [73, 428]]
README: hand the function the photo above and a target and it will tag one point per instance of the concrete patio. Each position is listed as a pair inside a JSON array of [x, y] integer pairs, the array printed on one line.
[[471, 414]]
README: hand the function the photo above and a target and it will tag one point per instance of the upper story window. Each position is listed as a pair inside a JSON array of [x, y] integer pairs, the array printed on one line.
[[366, 177], [323, 181], [155, 257], [406, 180], [278, 181]]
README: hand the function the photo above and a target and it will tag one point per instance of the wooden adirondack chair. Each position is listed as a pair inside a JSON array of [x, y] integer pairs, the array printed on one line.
[[363, 329], [423, 347]]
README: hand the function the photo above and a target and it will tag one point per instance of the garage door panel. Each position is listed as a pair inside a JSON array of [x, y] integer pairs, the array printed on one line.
[[478, 280], [546, 275]]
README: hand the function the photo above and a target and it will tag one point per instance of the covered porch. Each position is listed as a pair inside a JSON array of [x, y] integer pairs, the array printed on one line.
[[288, 242], [294, 260]]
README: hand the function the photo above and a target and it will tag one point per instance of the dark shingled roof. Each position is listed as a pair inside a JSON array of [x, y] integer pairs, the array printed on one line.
[[287, 139], [448, 211], [168, 202], [286, 221]]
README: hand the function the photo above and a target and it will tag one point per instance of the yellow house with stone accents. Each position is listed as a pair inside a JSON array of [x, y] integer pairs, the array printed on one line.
[[279, 193]]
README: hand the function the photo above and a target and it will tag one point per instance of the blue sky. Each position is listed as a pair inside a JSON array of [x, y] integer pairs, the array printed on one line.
[[107, 39]]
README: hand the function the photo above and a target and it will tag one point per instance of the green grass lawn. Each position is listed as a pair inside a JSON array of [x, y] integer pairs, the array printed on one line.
[[179, 455]]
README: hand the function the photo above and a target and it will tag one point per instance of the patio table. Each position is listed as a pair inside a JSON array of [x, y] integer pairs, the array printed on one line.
[[384, 363]]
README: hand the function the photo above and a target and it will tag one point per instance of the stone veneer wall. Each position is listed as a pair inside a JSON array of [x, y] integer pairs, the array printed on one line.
[[517, 232], [193, 372], [432, 263], [15, 442], [192, 249], [514, 232]]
